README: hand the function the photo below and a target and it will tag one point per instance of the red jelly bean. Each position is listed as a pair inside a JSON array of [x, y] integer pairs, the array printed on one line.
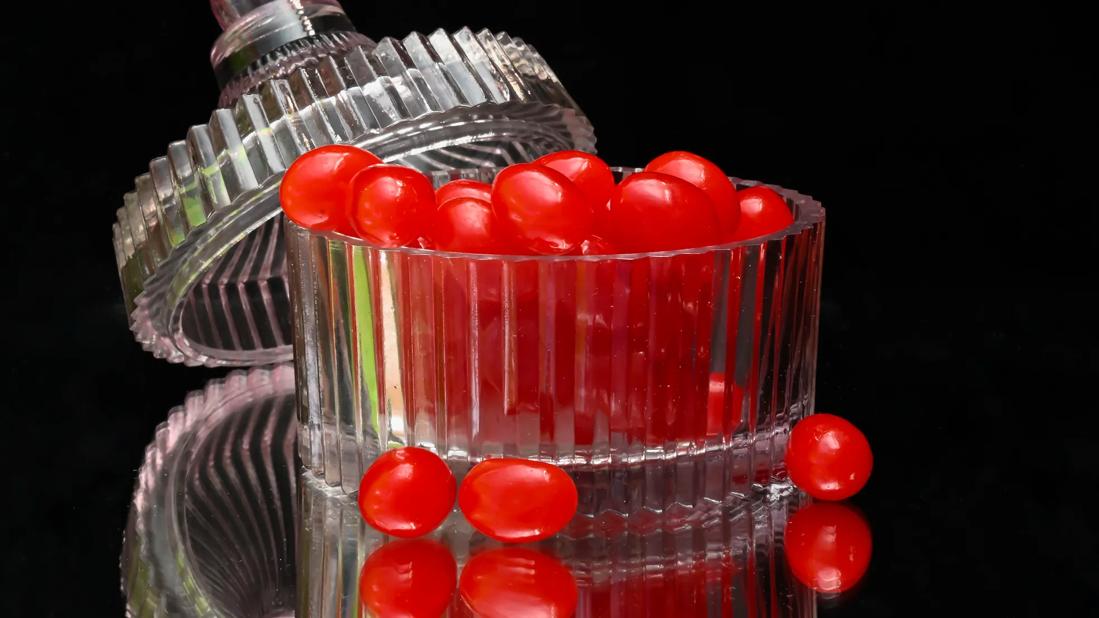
[[409, 578], [828, 457], [658, 212], [514, 581], [707, 176], [828, 546], [517, 500], [463, 188], [315, 187], [541, 210], [590, 174], [406, 492], [391, 205], [468, 225], [762, 212]]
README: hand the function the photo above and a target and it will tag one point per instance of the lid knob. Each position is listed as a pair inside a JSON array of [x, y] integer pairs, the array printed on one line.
[[259, 36], [228, 12]]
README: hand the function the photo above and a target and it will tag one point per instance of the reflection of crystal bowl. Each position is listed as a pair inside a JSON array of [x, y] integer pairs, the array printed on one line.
[[729, 563], [222, 525], [198, 243], [677, 373]]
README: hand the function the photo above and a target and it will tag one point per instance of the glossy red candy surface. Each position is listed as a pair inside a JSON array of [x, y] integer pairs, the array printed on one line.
[[828, 546], [314, 189], [406, 492], [517, 500], [391, 205], [514, 582], [657, 212], [589, 173], [467, 225], [463, 188], [540, 209], [828, 457], [412, 578], [762, 212], [707, 176]]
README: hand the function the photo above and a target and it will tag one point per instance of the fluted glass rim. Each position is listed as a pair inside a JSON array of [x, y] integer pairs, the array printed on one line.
[[807, 213]]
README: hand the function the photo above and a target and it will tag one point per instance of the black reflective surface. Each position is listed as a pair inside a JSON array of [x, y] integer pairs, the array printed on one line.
[[953, 147]]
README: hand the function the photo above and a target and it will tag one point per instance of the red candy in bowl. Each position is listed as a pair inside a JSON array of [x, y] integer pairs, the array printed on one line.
[[569, 318]]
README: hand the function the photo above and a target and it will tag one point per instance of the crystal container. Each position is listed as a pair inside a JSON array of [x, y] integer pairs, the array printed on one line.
[[672, 376]]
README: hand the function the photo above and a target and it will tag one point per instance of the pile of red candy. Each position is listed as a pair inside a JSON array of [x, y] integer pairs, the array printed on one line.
[[565, 203]]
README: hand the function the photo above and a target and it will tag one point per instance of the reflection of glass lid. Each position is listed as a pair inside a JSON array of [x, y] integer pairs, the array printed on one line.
[[221, 525], [198, 243], [211, 527]]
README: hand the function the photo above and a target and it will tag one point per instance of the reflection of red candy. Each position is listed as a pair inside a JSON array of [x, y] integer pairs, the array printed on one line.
[[517, 500], [409, 578], [515, 582], [828, 546], [828, 457], [406, 492], [681, 590]]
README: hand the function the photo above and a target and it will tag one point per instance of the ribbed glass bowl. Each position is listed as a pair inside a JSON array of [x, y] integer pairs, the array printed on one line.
[[675, 375]]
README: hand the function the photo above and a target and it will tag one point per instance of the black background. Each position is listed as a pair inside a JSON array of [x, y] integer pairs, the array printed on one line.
[[954, 151]]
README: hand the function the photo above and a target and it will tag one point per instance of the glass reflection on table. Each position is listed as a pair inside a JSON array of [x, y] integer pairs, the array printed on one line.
[[223, 524]]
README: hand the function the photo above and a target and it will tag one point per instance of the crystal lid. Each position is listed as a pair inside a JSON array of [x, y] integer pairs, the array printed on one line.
[[198, 243]]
